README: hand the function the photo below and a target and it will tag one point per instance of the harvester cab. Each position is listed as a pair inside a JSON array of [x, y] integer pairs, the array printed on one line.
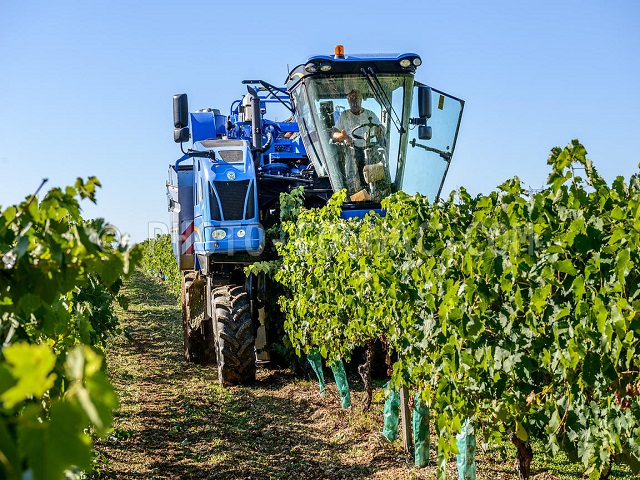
[[355, 122], [369, 127]]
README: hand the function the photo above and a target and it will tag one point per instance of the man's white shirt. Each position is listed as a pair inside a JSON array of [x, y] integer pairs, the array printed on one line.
[[348, 121]]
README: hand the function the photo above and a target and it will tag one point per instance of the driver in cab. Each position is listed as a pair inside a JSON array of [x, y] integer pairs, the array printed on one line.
[[350, 119]]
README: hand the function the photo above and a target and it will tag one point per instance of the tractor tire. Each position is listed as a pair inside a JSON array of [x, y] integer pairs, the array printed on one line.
[[197, 344], [235, 337]]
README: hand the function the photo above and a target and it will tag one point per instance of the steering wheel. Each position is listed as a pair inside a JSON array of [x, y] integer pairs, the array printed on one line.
[[369, 125]]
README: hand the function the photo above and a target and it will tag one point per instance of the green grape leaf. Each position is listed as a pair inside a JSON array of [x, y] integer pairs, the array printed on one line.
[[521, 432], [591, 368], [31, 366], [52, 447], [91, 388], [566, 266]]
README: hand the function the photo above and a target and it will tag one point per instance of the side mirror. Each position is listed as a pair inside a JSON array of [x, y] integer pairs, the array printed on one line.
[[181, 135], [425, 132], [180, 111], [424, 102]]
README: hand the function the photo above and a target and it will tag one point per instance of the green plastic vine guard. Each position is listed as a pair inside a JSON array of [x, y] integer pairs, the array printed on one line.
[[466, 442], [391, 415], [315, 359], [420, 432], [342, 383]]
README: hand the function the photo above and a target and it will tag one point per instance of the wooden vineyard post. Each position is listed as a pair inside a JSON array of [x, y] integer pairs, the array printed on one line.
[[405, 419]]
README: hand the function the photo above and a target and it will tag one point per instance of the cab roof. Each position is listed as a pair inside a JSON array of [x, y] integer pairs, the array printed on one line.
[[354, 64]]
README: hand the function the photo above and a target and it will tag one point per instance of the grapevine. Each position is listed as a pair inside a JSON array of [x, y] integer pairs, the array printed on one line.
[[59, 275], [516, 309], [159, 260]]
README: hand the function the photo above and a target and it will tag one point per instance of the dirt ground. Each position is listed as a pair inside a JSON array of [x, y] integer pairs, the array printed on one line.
[[175, 421]]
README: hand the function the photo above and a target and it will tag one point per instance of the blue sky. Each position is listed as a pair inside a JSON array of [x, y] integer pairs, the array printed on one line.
[[87, 85]]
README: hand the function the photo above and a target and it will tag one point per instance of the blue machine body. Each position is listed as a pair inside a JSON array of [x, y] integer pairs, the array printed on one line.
[[223, 219], [225, 207]]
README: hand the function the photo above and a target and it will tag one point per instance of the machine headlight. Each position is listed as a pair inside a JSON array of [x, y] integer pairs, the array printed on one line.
[[218, 234], [417, 62], [310, 67], [405, 62], [326, 67]]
